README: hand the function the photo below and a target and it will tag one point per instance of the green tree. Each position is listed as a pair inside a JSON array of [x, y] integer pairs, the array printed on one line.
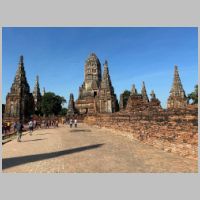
[[126, 95], [52, 104], [194, 95], [63, 111]]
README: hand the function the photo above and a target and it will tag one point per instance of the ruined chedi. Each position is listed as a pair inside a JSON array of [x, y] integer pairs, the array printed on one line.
[[138, 101], [19, 101], [177, 98], [107, 98], [71, 108], [37, 96], [154, 103]]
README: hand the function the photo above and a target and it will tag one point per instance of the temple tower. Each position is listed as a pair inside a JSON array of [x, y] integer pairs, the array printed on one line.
[[71, 108], [90, 87], [177, 98], [19, 101], [144, 93], [107, 97], [37, 95], [133, 90]]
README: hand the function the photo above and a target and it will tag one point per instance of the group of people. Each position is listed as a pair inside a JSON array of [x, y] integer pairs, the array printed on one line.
[[33, 124], [71, 122], [50, 123]]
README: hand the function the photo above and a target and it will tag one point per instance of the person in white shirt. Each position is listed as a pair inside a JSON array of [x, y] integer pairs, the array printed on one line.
[[75, 122], [30, 125]]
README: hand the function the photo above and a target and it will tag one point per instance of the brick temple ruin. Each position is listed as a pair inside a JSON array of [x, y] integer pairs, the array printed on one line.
[[20, 102], [96, 95], [174, 129]]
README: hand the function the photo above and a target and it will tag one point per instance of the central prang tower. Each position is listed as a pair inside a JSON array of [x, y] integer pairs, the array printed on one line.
[[95, 94], [90, 87]]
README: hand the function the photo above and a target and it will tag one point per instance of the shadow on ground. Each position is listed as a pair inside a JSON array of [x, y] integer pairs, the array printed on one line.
[[80, 130], [33, 140], [11, 162]]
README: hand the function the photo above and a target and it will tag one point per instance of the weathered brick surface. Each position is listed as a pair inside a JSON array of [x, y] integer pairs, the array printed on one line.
[[169, 130]]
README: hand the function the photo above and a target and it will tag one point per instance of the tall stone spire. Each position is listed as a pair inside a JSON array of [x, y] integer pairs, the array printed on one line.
[[19, 102], [133, 90], [106, 82], [177, 98], [20, 78], [108, 100], [71, 108], [37, 95], [144, 93], [177, 88]]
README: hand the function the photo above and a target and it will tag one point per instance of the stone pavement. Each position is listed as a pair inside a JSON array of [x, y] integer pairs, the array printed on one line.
[[87, 149]]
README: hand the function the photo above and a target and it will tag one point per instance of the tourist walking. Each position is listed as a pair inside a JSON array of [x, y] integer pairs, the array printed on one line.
[[35, 124], [30, 125], [75, 123], [70, 123], [19, 128], [15, 126]]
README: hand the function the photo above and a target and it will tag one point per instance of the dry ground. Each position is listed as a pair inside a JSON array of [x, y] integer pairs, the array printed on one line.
[[87, 149]]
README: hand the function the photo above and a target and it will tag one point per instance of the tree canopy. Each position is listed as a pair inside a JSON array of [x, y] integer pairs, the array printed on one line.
[[126, 95], [194, 95], [63, 111], [52, 103]]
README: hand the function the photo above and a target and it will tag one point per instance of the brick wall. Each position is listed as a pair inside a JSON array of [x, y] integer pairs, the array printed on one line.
[[171, 131]]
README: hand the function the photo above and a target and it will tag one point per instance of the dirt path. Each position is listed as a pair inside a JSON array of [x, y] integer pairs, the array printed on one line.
[[87, 149]]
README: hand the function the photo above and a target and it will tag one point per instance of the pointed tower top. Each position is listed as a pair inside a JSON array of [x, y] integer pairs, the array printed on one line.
[[20, 80], [144, 92], [71, 97], [36, 91], [106, 71], [21, 59], [106, 81], [106, 63], [133, 90], [177, 88], [153, 95]]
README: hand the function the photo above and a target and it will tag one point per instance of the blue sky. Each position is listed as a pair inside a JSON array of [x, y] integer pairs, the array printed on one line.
[[134, 55]]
